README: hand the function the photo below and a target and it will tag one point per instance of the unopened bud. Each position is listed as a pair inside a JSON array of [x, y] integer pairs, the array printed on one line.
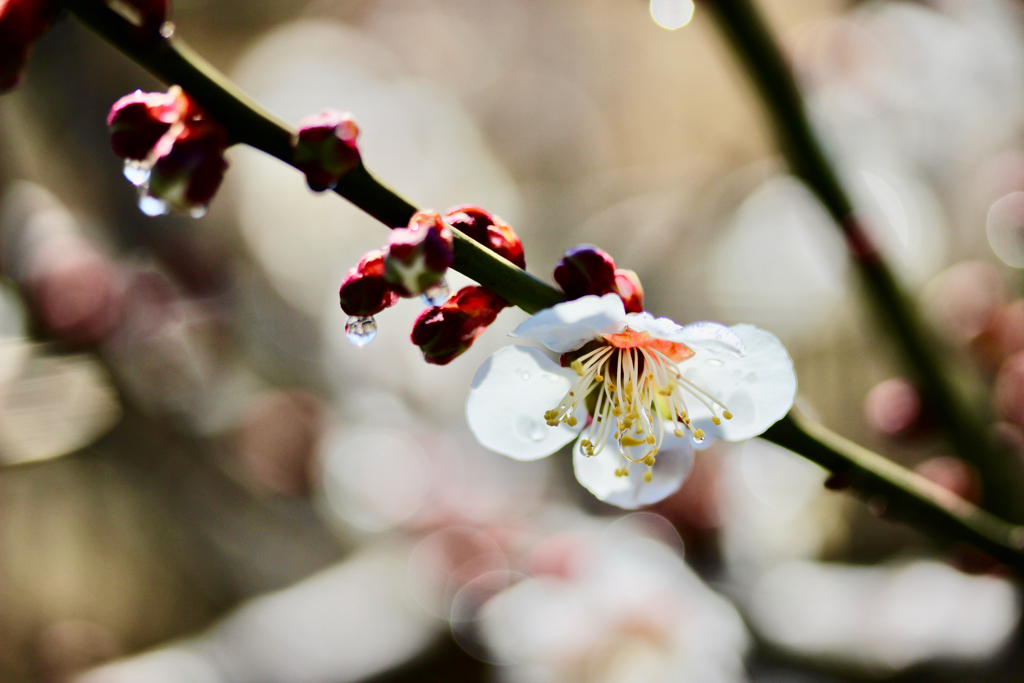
[[364, 291], [325, 148], [489, 230], [190, 167], [445, 332], [138, 121], [417, 257], [586, 270], [628, 286]]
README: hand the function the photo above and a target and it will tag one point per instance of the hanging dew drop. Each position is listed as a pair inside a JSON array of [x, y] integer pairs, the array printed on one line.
[[137, 172], [361, 330], [436, 294], [152, 206], [198, 211], [701, 439]]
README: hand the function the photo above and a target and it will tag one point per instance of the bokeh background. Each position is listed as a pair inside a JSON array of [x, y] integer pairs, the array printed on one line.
[[205, 481]]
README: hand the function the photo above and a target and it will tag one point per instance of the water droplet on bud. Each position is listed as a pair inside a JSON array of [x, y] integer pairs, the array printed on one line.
[[137, 172], [152, 206], [361, 330], [436, 294]]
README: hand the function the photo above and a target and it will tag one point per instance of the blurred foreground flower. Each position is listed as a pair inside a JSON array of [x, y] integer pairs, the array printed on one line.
[[651, 387], [629, 611]]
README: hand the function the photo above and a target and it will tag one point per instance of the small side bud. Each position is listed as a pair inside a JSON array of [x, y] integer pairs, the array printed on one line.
[[586, 270], [489, 230], [364, 291], [190, 167], [628, 286], [325, 148], [138, 121], [418, 257], [445, 332]]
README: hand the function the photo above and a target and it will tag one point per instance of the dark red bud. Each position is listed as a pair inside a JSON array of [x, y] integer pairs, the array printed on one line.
[[489, 230], [325, 148], [445, 332], [586, 270], [628, 286], [364, 291], [418, 257], [190, 171], [138, 121]]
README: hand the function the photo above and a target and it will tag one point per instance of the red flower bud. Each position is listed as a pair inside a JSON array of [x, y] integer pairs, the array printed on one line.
[[325, 148], [586, 270], [138, 121], [445, 332], [418, 256], [189, 167], [364, 291], [628, 286], [489, 230], [22, 22]]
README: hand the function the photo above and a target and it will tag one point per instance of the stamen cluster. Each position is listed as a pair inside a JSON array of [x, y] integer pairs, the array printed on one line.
[[634, 391]]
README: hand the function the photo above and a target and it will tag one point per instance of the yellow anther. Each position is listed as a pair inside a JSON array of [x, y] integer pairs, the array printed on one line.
[[716, 421], [727, 415], [572, 393], [628, 441], [648, 476], [650, 439], [698, 433], [679, 433], [618, 472], [598, 378], [616, 411], [625, 472], [572, 421], [611, 387], [577, 367], [648, 459]]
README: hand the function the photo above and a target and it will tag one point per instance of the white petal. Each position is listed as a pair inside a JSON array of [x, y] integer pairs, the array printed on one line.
[[511, 392], [570, 325], [758, 387], [597, 473]]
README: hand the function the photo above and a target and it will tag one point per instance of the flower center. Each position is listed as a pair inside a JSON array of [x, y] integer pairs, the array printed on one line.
[[634, 390]]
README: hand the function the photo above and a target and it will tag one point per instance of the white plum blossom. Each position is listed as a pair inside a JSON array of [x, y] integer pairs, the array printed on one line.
[[626, 612], [640, 392]]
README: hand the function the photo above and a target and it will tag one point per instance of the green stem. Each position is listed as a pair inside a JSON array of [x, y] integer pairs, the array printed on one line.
[[917, 500], [764, 62], [900, 494]]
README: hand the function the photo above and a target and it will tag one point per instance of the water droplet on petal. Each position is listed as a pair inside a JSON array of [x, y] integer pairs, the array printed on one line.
[[167, 29], [553, 378], [529, 429], [436, 294], [525, 376], [701, 439], [198, 211], [714, 362], [360, 329], [137, 172], [152, 206]]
